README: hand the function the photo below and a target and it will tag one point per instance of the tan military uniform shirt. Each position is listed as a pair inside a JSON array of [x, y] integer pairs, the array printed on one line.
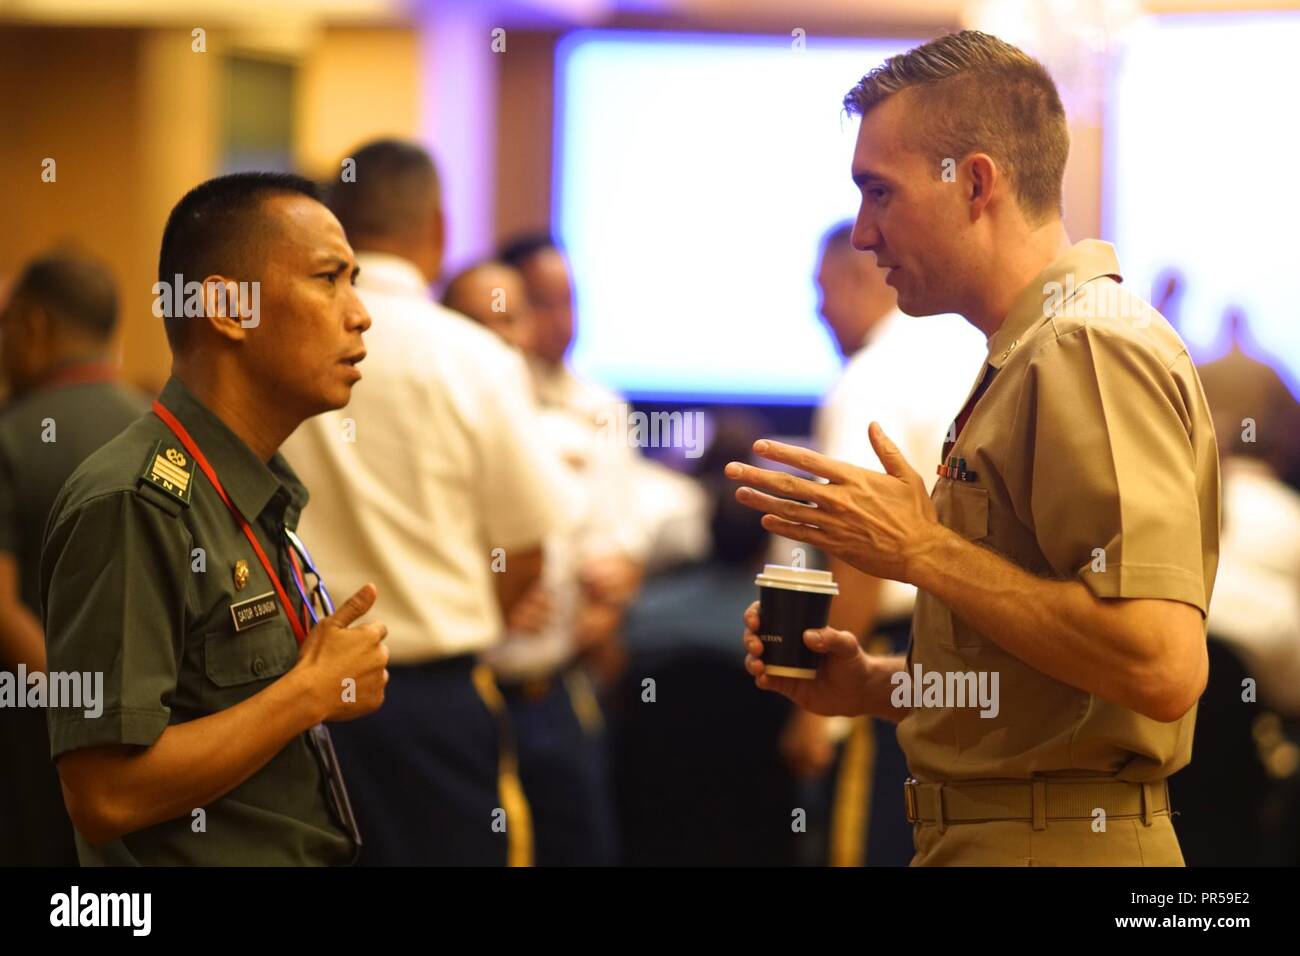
[[1094, 459]]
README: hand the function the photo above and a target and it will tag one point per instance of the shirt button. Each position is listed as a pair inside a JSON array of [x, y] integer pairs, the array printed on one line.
[[259, 666]]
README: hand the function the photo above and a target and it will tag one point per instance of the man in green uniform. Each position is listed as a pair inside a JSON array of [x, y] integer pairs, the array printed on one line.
[[172, 573], [55, 333]]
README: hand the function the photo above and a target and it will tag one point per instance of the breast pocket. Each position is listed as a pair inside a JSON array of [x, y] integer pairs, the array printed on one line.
[[232, 658], [964, 508]]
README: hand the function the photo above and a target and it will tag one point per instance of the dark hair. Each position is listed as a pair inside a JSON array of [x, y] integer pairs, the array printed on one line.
[[519, 249], [976, 93], [389, 192], [208, 231], [77, 292]]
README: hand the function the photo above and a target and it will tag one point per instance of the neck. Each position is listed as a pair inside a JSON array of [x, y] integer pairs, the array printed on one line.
[[427, 264], [1013, 268], [261, 422]]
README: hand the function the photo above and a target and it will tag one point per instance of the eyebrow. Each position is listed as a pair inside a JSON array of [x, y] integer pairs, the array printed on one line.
[[330, 259], [864, 176]]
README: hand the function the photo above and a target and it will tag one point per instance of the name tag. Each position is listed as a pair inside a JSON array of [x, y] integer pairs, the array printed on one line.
[[256, 610]]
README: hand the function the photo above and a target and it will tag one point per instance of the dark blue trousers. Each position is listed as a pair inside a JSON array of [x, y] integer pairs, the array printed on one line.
[[422, 771], [565, 772]]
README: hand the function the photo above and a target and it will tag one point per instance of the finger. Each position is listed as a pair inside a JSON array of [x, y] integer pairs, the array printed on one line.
[[355, 606], [798, 532], [751, 616], [805, 459], [890, 457], [754, 646], [831, 642], [753, 665], [778, 482], [790, 510], [785, 686]]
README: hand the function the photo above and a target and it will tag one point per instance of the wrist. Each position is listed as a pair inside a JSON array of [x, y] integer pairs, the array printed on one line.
[[928, 557], [302, 697]]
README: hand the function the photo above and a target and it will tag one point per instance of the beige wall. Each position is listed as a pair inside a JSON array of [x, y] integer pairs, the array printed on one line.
[[131, 117], [355, 84], [126, 116]]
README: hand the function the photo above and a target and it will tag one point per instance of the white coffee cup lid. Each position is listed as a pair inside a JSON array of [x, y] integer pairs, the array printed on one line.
[[797, 579]]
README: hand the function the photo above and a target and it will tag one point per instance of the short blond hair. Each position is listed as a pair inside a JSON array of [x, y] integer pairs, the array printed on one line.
[[979, 94]]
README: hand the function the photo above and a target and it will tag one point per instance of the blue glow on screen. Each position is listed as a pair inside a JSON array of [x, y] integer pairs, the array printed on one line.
[[694, 176], [1202, 144]]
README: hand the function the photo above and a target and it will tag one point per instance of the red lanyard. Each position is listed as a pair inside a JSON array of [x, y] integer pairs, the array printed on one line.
[[299, 631]]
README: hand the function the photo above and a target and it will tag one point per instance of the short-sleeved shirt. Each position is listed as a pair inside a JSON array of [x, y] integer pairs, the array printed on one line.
[[44, 435], [1093, 459], [432, 475], [141, 567]]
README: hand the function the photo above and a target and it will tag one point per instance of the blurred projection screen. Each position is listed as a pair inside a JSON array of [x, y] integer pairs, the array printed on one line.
[[694, 176]]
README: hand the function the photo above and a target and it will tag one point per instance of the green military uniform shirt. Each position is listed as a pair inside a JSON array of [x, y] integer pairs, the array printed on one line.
[[44, 435], [1090, 457], [142, 564]]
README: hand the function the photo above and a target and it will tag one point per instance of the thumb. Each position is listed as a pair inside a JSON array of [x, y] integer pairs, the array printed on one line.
[[832, 642], [890, 457], [355, 606]]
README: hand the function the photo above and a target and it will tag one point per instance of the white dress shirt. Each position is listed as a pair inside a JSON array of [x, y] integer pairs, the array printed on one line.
[[435, 464], [912, 376], [1256, 601]]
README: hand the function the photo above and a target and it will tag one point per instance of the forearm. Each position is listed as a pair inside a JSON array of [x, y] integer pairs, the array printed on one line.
[[113, 791], [21, 639], [1107, 648]]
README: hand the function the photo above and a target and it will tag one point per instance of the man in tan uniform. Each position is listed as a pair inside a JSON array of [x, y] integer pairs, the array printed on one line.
[[1066, 556]]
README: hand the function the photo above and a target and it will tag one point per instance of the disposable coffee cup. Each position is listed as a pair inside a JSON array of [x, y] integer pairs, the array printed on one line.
[[791, 601]]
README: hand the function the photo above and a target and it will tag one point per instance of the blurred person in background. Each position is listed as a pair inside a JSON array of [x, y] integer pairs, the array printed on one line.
[[1231, 797], [558, 723], [698, 769], [897, 373], [432, 483], [494, 295], [663, 511], [65, 402]]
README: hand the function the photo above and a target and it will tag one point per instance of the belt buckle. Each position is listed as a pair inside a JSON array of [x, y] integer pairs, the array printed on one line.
[[909, 798]]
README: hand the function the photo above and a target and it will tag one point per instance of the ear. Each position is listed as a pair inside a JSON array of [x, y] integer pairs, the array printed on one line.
[[982, 177], [224, 301]]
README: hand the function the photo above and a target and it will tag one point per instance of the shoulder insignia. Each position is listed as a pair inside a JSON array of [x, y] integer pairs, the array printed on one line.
[[170, 469]]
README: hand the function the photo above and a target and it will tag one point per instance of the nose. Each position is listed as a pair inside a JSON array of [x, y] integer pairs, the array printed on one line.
[[358, 317], [865, 236]]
